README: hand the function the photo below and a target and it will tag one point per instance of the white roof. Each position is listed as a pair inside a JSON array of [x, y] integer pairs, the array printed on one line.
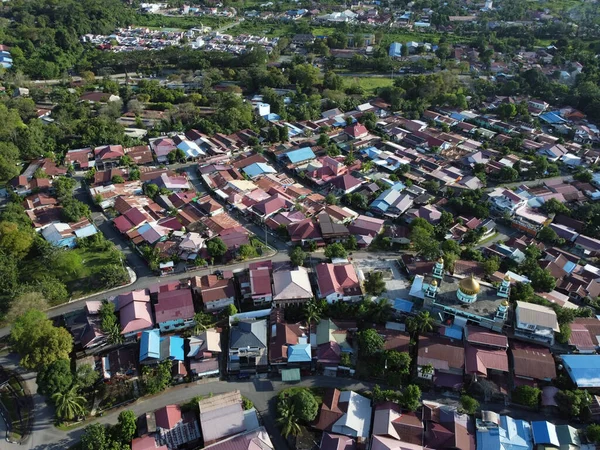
[[357, 420], [537, 315], [291, 284]]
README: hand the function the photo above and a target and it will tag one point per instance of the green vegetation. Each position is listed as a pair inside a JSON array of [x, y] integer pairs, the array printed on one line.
[[468, 405], [115, 437], [527, 396]]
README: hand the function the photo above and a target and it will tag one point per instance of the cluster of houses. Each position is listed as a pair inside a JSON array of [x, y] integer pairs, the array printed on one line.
[[138, 39], [221, 423]]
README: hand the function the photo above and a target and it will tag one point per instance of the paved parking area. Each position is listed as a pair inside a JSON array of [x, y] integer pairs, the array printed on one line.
[[398, 286]]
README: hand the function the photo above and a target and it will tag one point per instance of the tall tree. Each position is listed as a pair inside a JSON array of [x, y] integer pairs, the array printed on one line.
[[69, 404]]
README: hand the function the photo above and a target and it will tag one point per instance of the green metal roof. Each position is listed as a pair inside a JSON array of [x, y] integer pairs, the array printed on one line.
[[290, 375]]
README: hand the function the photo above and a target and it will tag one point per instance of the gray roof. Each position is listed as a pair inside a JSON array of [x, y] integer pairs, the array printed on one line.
[[249, 334]]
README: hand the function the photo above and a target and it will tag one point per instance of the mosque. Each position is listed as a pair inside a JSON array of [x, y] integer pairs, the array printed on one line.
[[458, 301]]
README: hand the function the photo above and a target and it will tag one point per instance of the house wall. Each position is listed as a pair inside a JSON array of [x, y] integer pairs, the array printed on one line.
[[178, 324], [218, 304], [336, 297]]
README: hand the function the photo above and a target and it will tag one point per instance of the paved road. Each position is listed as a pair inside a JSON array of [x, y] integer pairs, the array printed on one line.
[[565, 178]]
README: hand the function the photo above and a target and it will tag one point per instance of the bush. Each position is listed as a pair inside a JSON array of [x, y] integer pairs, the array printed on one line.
[[305, 405], [527, 396], [468, 405]]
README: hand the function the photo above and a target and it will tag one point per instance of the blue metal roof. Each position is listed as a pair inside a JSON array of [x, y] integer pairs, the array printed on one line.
[[299, 353], [300, 155], [453, 332], [584, 370], [395, 49], [569, 266], [544, 433], [86, 231], [150, 345], [552, 118], [176, 348], [256, 169], [403, 305]]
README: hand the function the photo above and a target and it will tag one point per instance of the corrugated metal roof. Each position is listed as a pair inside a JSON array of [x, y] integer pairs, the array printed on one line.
[[290, 375]]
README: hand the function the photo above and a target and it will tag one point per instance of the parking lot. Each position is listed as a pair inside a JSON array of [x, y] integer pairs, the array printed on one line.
[[398, 286]]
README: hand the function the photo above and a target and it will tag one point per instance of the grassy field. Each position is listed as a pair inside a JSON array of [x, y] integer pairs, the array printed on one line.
[[157, 21], [369, 84]]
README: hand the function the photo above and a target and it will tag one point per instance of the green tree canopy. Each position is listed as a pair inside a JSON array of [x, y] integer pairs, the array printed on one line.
[[38, 341], [336, 250], [297, 256], [375, 284], [216, 247], [305, 405], [370, 342], [468, 405], [56, 377]]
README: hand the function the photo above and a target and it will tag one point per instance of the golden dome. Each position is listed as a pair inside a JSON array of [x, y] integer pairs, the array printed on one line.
[[441, 260], [434, 283], [469, 286], [507, 278], [504, 303]]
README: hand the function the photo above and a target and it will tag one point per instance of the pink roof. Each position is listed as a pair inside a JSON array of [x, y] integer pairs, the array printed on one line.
[[146, 443], [478, 335], [512, 196], [580, 337], [137, 296], [135, 216], [174, 305], [479, 360], [168, 416], [346, 182], [163, 146], [136, 316], [337, 278], [272, 204], [122, 224], [109, 152], [260, 281], [356, 130]]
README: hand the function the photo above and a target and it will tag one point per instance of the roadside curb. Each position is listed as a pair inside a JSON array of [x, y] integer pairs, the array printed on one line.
[[132, 280]]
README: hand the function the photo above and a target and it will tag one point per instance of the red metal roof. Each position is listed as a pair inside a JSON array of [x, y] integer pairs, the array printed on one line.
[[479, 360], [174, 305], [168, 416], [478, 335]]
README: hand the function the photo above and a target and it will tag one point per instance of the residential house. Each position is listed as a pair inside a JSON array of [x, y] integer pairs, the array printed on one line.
[[531, 363], [305, 231], [507, 201], [544, 434], [175, 428], [216, 293], [288, 344], [331, 339], [535, 322], [584, 335], [80, 158], [345, 184], [221, 416], [330, 230], [298, 156], [65, 235], [485, 354], [445, 428], [108, 156], [248, 346], [345, 412], [135, 312], [251, 440], [428, 212], [447, 359], [499, 432], [584, 370], [394, 429], [366, 226], [587, 245], [147, 442], [291, 286], [270, 206], [162, 147], [338, 282], [330, 441], [154, 348], [258, 285], [174, 310], [392, 203], [204, 354]]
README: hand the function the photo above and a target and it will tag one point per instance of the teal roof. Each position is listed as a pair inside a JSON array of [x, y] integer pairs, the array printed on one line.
[[290, 375], [300, 155], [299, 353], [150, 345]]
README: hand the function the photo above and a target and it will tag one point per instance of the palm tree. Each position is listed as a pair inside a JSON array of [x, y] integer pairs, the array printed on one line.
[[381, 310], [114, 334], [69, 404], [312, 311], [287, 420], [424, 322]]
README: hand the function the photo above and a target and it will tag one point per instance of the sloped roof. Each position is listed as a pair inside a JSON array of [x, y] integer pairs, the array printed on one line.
[[337, 278], [249, 334], [304, 229], [174, 305], [537, 315], [299, 353], [330, 441], [291, 284], [221, 416], [478, 360], [584, 370], [441, 354], [168, 416], [356, 419], [479, 335], [532, 361]]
